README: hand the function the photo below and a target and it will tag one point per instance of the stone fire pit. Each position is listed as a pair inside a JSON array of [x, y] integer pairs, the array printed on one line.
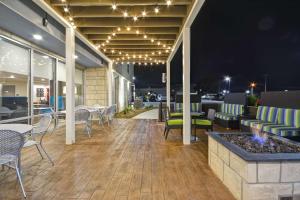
[[252, 167]]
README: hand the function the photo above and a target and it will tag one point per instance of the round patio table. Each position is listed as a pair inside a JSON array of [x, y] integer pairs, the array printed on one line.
[[21, 128]]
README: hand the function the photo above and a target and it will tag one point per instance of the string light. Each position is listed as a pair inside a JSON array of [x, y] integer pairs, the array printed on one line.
[[66, 9], [145, 36], [128, 28], [114, 6], [144, 13], [125, 14], [169, 2], [119, 29], [152, 40], [135, 18], [113, 34], [156, 10], [137, 32]]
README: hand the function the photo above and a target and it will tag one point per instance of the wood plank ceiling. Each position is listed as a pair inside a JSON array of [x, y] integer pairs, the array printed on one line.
[[138, 31]]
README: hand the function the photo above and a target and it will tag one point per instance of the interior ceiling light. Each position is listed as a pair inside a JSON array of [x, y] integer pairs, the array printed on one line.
[[135, 18], [144, 13], [125, 14], [169, 2], [37, 37], [66, 9], [114, 6], [156, 10]]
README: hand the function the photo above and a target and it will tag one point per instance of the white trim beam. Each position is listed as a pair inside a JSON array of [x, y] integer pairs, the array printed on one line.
[[186, 86], [168, 85], [70, 86]]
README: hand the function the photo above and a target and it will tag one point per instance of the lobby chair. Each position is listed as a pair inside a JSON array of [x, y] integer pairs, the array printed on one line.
[[206, 124], [40, 129], [171, 124], [11, 143], [83, 117]]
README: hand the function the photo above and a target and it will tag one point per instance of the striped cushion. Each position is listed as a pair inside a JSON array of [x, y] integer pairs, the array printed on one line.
[[234, 109], [277, 130], [267, 128], [225, 116], [195, 107], [264, 115], [250, 122], [289, 117], [289, 132]]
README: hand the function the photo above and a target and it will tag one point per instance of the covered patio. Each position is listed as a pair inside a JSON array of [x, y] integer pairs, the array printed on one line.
[[67, 68], [128, 160]]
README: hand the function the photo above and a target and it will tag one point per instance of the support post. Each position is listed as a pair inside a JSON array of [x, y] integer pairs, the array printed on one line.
[[186, 86], [168, 85], [70, 85], [109, 82]]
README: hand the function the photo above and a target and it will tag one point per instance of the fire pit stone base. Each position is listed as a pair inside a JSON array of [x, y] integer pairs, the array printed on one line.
[[253, 180]]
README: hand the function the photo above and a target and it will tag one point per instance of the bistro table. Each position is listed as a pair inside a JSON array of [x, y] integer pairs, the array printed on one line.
[[21, 128]]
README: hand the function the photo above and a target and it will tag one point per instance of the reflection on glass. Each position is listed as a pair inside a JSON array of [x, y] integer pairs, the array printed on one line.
[[14, 73], [61, 86], [43, 86]]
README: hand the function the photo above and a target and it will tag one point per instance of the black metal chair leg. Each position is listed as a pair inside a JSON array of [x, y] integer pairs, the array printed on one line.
[[167, 133]]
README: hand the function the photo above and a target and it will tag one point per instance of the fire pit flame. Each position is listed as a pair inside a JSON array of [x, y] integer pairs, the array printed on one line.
[[259, 136]]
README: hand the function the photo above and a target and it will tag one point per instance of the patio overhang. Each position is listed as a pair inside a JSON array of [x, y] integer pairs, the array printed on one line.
[[134, 31]]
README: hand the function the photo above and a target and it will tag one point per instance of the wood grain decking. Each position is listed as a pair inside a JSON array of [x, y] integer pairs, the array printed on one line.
[[129, 160]]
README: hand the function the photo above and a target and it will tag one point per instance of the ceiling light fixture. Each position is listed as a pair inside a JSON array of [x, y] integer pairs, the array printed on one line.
[[37, 37]]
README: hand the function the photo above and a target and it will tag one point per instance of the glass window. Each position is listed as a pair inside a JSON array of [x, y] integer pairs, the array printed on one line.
[[61, 86], [78, 87], [43, 84], [14, 80]]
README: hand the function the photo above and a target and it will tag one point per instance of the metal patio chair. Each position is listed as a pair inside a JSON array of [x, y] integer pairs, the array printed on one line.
[[11, 143], [40, 129], [171, 123], [83, 116]]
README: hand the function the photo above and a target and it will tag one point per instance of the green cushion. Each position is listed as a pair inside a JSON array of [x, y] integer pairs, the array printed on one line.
[[176, 114], [173, 122], [202, 122]]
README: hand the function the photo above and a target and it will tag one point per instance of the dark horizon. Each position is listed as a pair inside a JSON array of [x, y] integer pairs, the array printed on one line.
[[246, 40]]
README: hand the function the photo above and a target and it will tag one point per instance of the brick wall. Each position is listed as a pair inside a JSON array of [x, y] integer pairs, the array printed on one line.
[[96, 86]]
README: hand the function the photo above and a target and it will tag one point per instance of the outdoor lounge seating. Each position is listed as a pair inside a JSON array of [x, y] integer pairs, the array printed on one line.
[[178, 107], [283, 122], [229, 115], [206, 124], [171, 124]]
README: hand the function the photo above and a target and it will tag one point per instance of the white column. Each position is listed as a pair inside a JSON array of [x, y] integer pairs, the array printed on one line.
[[109, 82], [168, 86], [186, 86], [70, 86]]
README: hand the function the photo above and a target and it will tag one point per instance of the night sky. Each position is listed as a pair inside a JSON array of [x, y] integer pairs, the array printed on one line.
[[246, 40]]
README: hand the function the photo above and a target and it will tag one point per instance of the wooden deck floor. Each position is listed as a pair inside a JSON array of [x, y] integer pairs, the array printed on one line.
[[129, 160]]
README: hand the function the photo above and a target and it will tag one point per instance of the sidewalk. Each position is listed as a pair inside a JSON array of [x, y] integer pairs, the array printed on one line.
[[151, 114]]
